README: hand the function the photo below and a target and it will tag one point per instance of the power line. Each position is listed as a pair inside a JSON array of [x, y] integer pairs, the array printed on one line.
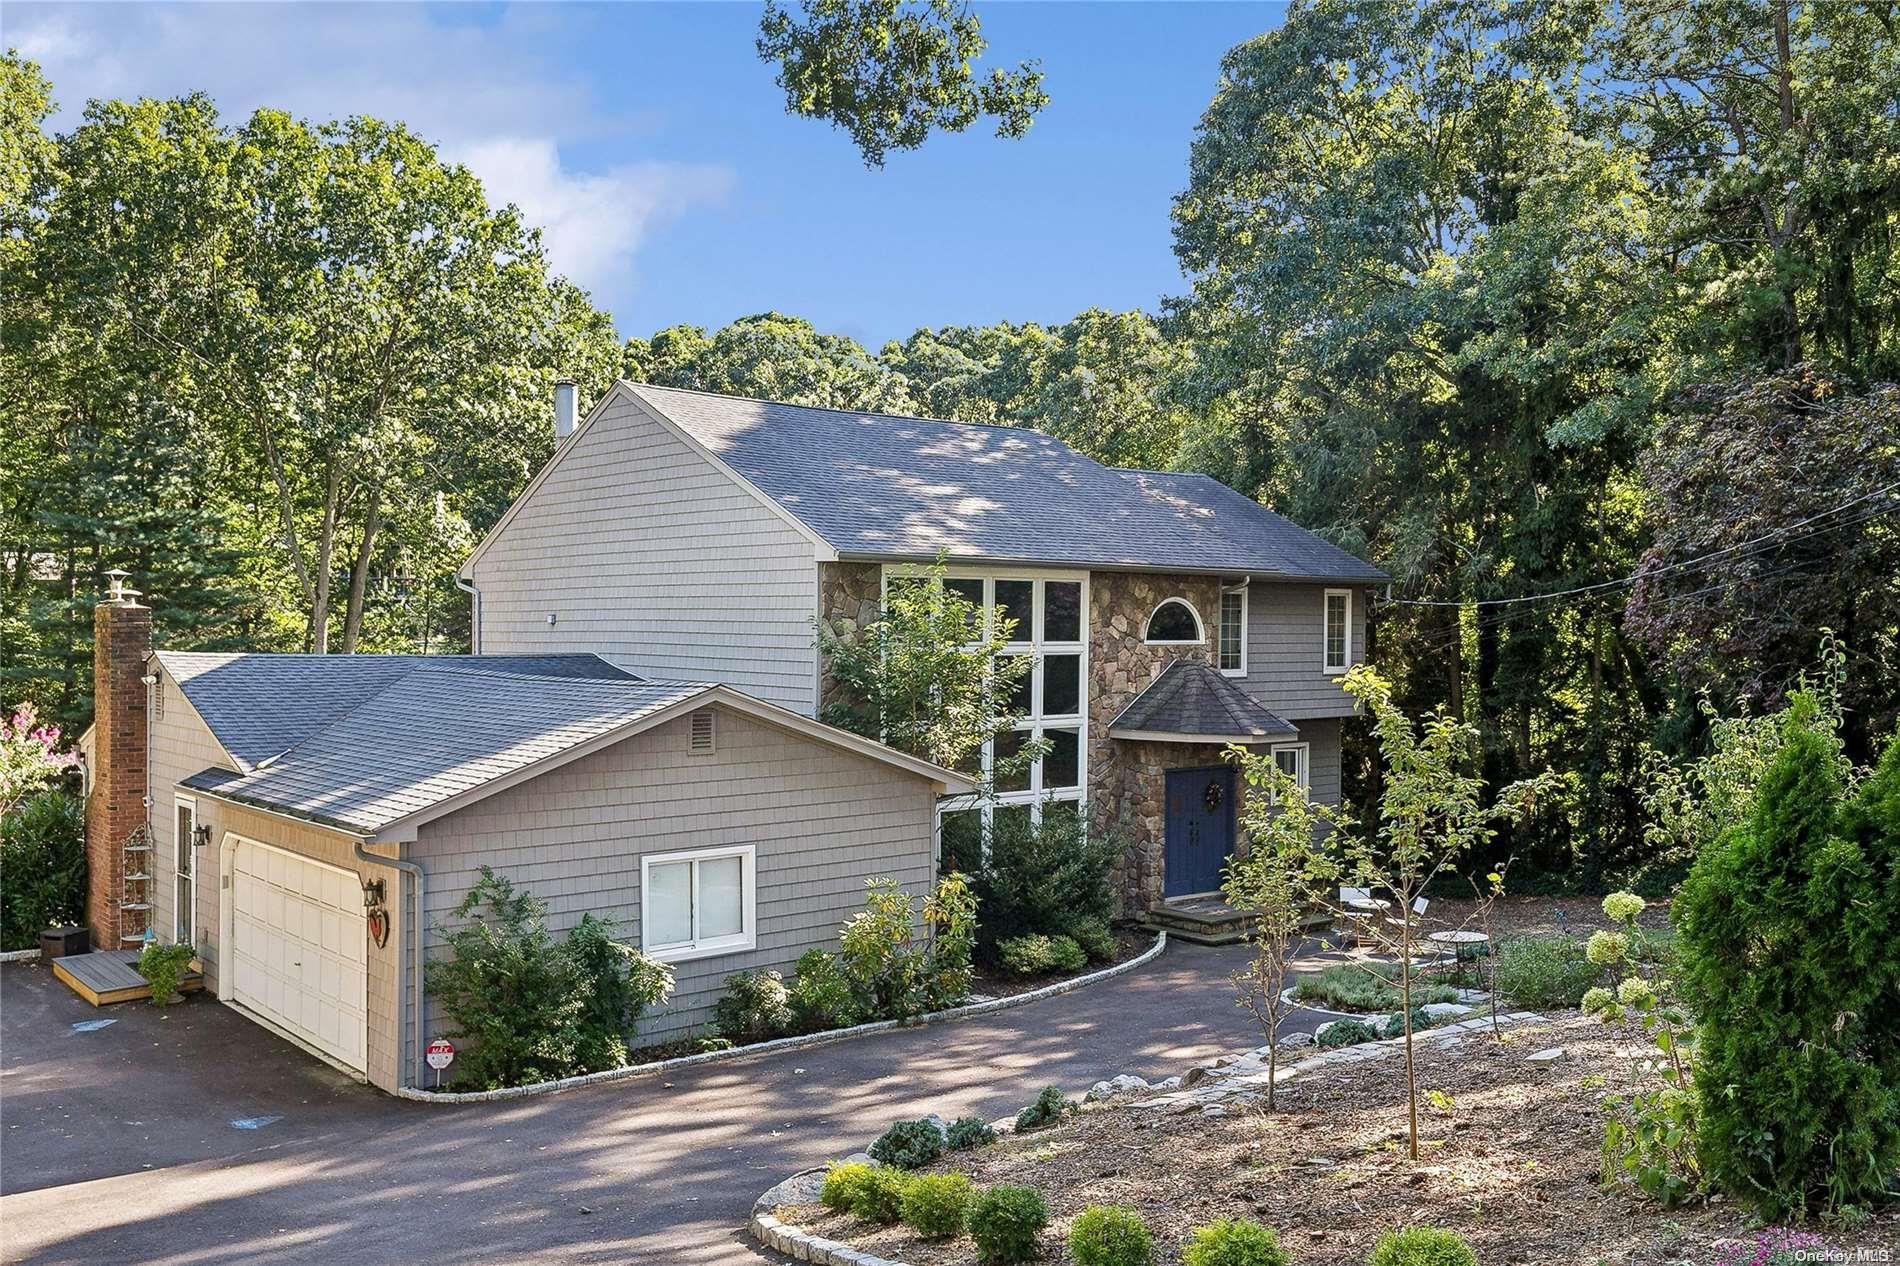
[[1686, 563]]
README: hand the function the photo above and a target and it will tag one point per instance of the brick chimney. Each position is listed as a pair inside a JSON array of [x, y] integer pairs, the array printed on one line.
[[122, 641]]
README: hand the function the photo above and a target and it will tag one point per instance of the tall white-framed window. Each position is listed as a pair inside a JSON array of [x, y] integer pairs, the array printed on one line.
[[1292, 760], [699, 903], [1233, 631], [185, 871], [1050, 613], [1336, 631], [1174, 622]]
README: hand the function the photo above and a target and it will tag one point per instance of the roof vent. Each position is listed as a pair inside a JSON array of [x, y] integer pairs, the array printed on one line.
[[702, 742]]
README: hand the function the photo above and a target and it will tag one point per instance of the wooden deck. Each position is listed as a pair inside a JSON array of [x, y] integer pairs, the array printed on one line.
[[107, 976]]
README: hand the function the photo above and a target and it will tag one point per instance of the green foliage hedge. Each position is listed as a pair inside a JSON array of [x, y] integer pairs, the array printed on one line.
[[1347, 1033], [1049, 879], [968, 1132], [756, 1006], [1038, 955], [1006, 1222], [1051, 1106], [42, 867], [842, 1183], [1110, 1235], [1234, 1242], [879, 1195]]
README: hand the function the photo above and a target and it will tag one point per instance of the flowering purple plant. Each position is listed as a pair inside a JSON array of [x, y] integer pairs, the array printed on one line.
[[1776, 1246], [29, 756]]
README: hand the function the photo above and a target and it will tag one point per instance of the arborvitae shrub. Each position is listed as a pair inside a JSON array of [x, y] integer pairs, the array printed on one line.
[[1785, 930]]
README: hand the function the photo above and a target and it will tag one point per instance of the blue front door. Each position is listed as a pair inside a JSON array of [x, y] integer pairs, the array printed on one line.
[[1200, 829]]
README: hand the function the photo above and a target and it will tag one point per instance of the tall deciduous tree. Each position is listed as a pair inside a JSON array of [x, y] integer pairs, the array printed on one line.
[[891, 72]]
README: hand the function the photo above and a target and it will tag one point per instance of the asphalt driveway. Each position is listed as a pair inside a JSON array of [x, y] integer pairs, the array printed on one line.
[[194, 1136]]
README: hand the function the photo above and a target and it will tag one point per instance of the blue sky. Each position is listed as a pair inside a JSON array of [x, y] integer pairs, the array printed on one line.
[[652, 145]]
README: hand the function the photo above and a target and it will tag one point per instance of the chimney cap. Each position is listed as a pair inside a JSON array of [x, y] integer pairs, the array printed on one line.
[[116, 577]]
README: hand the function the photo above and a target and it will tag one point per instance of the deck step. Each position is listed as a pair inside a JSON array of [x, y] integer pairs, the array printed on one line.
[[107, 976]]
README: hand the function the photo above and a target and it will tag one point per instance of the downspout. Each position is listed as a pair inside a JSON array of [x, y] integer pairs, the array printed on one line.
[[414, 871], [474, 614]]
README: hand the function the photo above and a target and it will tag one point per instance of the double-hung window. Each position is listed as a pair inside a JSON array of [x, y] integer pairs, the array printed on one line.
[[1233, 632], [1337, 631], [697, 904], [185, 848]]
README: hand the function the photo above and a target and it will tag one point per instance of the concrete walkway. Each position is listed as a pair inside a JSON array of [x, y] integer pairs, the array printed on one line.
[[194, 1136]]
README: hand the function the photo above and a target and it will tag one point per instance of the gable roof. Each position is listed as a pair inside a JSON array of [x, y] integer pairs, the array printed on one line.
[[1191, 702], [390, 746], [875, 485]]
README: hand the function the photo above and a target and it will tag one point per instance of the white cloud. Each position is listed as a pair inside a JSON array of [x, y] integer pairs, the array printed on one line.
[[592, 223], [482, 91]]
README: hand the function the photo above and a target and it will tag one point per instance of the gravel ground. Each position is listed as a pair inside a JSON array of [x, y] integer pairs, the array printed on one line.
[[1510, 1159]]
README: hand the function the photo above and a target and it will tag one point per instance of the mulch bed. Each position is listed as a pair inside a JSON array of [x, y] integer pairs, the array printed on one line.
[[994, 982], [1511, 1164], [1523, 916]]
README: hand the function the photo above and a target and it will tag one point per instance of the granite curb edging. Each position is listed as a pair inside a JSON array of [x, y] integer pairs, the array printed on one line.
[[799, 1042], [20, 956]]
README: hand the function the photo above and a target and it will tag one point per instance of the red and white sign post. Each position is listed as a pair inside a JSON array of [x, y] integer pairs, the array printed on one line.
[[440, 1054]]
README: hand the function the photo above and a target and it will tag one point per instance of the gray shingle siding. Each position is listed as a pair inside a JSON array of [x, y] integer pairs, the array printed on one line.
[[1284, 650], [652, 556], [823, 821]]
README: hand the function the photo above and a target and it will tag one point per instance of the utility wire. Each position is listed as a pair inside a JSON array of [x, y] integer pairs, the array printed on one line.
[[1659, 571]]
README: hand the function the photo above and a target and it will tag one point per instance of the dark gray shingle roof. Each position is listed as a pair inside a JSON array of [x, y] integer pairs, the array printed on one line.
[[260, 706], [881, 486], [1192, 698], [435, 730]]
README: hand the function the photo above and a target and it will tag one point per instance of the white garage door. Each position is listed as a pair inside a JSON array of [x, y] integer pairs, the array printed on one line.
[[298, 953]]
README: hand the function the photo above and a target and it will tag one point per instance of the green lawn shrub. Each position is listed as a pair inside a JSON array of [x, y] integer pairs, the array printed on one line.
[[531, 1007], [755, 1006], [879, 1195], [968, 1132], [1394, 1025], [163, 966], [1095, 937], [909, 1144], [936, 1205], [1350, 987], [1234, 1242], [1422, 1246], [820, 996], [1051, 1106], [1046, 879], [1347, 1033], [1006, 1222], [1110, 1235], [1546, 971], [42, 867], [842, 1181]]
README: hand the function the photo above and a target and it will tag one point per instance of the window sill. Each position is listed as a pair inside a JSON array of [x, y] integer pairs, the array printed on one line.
[[687, 953]]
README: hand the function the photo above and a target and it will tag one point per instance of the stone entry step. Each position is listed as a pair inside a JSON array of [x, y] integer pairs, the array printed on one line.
[[1206, 920]]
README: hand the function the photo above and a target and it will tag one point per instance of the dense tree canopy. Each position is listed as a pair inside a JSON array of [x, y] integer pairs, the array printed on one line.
[[1572, 315]]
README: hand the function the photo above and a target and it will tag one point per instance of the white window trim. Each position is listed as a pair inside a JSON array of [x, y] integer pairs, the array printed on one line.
[[1325, 608], [1200, 626], [748, 901], [1034, 796], [1305, 777], [185, 869], [1243, 591]]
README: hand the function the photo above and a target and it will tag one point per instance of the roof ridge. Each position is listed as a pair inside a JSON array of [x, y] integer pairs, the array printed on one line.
[[868, 413]]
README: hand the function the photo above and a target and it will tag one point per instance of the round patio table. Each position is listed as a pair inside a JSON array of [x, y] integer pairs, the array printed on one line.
[[1463, 944]]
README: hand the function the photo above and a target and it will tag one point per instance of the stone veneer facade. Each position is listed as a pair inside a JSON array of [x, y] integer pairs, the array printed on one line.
[[1126, 783]]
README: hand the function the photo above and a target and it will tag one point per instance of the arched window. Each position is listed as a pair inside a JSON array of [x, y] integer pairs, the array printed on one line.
[[1174, 621]]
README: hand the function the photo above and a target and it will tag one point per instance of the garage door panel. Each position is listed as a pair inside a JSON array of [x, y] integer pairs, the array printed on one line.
[[298, 940]]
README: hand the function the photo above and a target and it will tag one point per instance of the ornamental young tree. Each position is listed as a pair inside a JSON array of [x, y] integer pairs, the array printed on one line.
[[929, 676], [1431, 816], [1277, 881], [30, 759]]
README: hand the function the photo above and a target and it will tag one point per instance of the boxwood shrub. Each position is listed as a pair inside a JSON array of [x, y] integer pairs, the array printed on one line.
[[1422, 1246], [1234, 1242], [879, 1196], [1110, 1235], [936, 1205], [1006, 1221], [842, 1182]]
